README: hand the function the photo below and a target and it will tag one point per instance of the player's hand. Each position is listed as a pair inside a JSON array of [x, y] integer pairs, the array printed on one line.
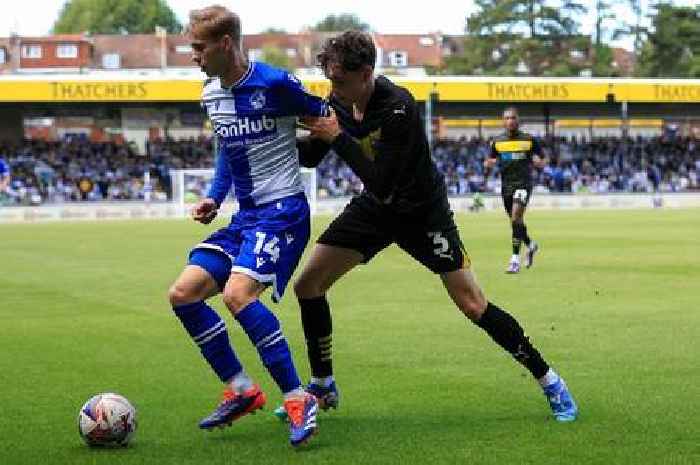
[[306, 121], [205, 211], [324, 128]]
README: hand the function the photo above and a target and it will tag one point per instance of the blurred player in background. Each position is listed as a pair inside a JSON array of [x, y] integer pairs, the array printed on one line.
[[5, 178], [377, 129], [253, 108], [516, 152]]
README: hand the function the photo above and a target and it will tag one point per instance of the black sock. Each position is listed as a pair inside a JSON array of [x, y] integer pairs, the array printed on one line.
[[517, 237], [525, 237], [508, 333], [316, 320]]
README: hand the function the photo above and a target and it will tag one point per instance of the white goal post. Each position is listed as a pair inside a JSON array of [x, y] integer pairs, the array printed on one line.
[[190, 185]]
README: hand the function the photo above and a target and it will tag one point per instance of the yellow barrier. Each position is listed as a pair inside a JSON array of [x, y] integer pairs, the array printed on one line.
[[448, 89], [563, 123], [472, 123], [100, 91], [671, 92], [608, 123]]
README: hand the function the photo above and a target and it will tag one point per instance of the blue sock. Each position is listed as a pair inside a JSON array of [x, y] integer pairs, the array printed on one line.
[[208, 330], [263, 329]]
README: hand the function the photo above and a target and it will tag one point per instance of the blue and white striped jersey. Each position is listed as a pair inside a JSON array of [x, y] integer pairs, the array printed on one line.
[[254, 122]]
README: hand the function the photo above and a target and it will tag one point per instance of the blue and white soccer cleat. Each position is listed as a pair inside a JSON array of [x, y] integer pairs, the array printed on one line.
[[327, 397], [561, 401], [234, 406], [302, 412]]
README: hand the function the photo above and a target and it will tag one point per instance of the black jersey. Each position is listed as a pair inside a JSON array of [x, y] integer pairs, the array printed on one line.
[[514, 153], [389, 152]]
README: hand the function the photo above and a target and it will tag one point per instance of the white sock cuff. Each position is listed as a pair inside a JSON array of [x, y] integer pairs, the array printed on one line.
[[324, 381], [241, 382], [298, 392], [549, 378]]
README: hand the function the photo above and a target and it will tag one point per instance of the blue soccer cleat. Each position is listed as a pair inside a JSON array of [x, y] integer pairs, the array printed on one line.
[[301, 411], [234, 406], [327, 397], [560, 400]]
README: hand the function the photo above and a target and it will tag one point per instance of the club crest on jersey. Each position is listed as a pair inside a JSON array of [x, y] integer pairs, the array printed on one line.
[[257, 100], [369, 143]]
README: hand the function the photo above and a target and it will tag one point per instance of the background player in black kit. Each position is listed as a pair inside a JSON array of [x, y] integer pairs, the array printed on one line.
[[516, 151], [377, 130]]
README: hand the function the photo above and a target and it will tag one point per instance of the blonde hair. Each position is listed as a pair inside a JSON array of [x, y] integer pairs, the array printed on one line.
[[216, 21]]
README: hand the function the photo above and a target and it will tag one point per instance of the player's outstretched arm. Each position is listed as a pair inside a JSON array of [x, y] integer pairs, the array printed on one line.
[[223, 179], [311, 151], [492, 158], [381, 174], [539, 160]]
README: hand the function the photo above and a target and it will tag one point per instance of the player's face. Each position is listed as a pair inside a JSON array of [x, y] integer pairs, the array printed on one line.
[[510, 120], [349, 86], [209, 54]]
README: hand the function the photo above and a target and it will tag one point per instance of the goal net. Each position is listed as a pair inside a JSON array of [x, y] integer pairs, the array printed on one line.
[[191, 185]]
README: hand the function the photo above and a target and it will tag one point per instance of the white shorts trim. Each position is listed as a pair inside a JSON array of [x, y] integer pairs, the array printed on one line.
[[206, 245], [261, 278]]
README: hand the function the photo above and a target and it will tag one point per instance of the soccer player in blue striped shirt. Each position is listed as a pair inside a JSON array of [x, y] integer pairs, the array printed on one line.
[[253, 108]]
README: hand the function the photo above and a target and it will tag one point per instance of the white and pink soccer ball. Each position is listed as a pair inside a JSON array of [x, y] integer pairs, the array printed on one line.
[[107, 420]]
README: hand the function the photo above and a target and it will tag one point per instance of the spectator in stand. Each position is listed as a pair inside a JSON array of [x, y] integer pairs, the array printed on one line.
[[50, 171]]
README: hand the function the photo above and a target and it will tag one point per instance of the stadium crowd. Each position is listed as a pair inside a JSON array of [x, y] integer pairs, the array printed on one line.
[[577, 165], [77, 169]]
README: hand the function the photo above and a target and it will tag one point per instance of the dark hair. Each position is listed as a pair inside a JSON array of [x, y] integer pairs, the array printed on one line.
[[215, 22], [351, 50]]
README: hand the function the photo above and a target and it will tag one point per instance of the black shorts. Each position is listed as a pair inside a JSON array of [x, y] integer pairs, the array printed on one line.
[[519, 194], [368, 228]]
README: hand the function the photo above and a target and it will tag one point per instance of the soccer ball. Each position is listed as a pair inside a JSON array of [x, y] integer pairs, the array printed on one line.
[[107, 420]]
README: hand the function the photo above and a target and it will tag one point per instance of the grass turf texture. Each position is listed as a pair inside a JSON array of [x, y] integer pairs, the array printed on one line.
[[612, 302]]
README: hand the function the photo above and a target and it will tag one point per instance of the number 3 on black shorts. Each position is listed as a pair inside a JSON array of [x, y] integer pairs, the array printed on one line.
[[520, 195]]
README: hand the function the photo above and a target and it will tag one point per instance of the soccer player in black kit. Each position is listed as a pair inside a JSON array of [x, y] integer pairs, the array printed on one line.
[[377, 130], [516, 152]]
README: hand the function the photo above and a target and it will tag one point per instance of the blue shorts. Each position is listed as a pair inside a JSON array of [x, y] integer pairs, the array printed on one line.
[[264, 242]]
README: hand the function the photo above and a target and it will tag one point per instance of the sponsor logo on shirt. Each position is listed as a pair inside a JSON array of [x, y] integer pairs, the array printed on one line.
[[257, 126], [513, 156]]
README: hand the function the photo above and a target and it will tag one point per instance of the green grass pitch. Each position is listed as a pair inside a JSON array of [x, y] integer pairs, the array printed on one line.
[[613, 303]]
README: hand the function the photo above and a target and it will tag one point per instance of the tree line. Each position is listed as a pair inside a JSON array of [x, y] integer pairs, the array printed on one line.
[[502, 37]]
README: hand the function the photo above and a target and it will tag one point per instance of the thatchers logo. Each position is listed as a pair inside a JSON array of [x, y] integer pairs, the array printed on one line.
[[99, 91], [677, 93], [528, 91]]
